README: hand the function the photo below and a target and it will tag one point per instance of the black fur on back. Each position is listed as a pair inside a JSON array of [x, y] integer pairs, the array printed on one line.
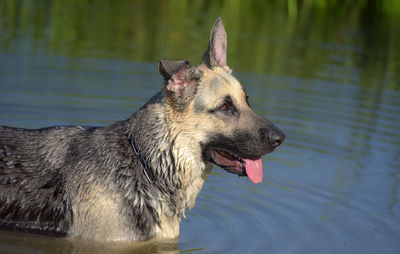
[[32, 189]]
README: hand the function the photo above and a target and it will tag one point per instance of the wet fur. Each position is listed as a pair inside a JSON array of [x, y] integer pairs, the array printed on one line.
[[88, 181], [134, 179]]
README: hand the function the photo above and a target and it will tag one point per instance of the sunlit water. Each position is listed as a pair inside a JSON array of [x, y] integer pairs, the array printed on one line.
[[332, 187]]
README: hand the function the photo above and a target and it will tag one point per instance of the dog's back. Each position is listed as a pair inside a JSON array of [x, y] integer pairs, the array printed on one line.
[[32, 184]]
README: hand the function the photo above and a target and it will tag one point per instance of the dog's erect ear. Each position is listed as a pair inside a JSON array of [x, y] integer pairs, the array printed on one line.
[[215, 54], [179, 76]]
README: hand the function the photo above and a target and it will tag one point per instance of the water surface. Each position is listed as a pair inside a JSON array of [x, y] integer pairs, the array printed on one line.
[[330, 82]]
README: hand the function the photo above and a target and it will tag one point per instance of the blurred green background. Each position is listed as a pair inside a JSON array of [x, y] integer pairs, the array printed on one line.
[[291, 37]]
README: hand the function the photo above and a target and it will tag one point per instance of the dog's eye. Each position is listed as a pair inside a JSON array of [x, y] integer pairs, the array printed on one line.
[[224, 107]]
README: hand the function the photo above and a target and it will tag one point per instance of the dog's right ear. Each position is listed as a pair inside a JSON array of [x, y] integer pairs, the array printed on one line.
[[180, 76], [215, 54]]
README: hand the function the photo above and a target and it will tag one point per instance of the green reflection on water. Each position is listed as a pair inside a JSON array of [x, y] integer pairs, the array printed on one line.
[[290, 37]]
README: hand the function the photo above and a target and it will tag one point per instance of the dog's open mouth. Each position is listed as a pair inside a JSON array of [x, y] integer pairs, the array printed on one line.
[[240, 166]]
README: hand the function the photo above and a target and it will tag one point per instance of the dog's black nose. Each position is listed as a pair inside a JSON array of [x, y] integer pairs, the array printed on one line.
[[276, 138]]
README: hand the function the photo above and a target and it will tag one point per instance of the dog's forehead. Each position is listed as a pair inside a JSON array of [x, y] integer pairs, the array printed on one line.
[[220, 83]]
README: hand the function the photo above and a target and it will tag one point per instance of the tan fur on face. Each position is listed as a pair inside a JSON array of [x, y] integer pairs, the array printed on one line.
[[191, 128], [227, 85], [214, 86]]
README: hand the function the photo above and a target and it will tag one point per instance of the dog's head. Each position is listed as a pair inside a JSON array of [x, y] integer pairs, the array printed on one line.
[[208, 106]]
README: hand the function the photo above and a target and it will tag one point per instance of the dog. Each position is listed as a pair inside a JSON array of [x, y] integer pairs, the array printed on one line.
[[134, 180]]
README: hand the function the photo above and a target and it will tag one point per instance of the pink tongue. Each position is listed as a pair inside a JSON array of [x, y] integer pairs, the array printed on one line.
[[254, 170]]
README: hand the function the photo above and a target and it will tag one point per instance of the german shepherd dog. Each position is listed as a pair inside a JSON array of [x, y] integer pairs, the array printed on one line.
[[133, 180]]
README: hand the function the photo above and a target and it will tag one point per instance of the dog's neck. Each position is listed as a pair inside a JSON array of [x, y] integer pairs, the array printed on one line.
[[171, 171]]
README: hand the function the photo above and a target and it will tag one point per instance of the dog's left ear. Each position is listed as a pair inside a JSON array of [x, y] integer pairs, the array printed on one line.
[[180, 77], [215, 54]]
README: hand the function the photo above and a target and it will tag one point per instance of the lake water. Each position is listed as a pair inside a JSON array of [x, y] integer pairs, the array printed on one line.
[[328, 76]]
